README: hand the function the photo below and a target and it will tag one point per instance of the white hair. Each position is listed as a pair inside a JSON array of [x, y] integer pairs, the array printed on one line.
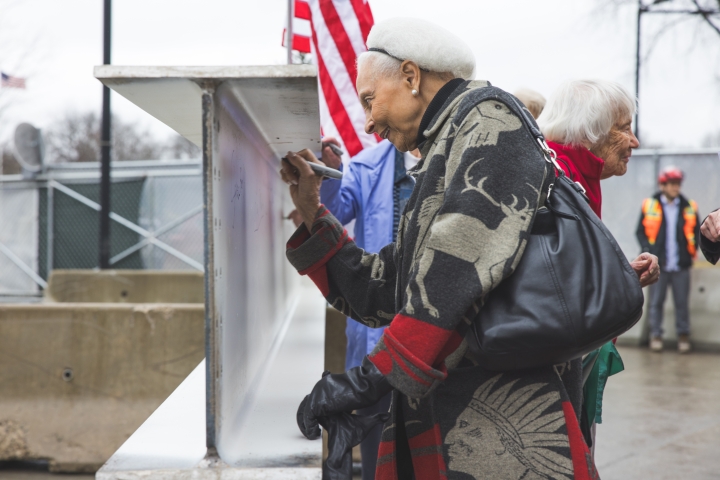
[[533, 100], [430, 46], [583, 112]]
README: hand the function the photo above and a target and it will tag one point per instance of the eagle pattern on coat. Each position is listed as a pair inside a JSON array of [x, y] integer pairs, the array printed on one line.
[[463, 231]]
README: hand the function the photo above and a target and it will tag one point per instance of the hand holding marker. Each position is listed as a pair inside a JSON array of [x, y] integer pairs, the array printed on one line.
[[322, 170]]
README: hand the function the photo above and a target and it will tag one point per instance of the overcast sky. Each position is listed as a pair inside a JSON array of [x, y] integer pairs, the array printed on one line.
[[531, 43]]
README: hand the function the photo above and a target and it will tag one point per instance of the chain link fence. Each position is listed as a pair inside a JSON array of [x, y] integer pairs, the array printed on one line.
[[52, 221]]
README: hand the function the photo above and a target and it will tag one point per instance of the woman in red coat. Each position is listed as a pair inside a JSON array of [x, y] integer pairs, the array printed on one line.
[[589, 125]]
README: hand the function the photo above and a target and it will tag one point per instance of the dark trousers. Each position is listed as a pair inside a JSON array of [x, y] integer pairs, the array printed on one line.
[[679, 281], [369, 447]]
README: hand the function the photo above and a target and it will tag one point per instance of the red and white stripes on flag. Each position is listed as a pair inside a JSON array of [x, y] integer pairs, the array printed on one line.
[[302, 31], [339, 31], [8, 81]]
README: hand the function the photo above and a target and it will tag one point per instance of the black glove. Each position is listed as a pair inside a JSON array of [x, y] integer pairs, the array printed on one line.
[[344, 432], [359, 387]]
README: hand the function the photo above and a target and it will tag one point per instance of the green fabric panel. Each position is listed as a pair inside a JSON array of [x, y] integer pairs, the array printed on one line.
[[608, 363], [76, 226]]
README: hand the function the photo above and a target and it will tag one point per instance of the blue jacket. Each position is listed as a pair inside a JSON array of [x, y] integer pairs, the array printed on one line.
[[364, 194]]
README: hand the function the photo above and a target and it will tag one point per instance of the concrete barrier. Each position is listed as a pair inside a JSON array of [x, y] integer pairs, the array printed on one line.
[[126, 286], [77, 379], [704, 313]]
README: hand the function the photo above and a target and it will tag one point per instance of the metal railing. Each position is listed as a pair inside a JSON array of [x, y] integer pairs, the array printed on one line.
[[43, 196]]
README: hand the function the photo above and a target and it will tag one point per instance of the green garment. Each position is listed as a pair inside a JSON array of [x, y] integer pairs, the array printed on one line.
[[607, 363]]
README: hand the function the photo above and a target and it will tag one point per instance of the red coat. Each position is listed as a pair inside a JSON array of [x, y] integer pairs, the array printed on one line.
[[583, 167]]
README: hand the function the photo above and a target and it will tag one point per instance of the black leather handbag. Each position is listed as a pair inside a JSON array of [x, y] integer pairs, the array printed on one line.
[[572, 291]]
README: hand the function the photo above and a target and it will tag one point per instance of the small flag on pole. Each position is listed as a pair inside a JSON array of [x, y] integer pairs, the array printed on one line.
[[8, 81], [301, 27]]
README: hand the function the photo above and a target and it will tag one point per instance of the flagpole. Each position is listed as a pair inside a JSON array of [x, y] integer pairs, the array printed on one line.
[[289, 40], [105, 143]]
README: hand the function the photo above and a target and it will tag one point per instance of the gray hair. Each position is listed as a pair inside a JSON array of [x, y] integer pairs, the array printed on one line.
[[583, 112], [431, 47]]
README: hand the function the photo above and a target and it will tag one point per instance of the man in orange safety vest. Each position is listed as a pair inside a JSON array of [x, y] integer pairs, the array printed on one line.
[[669, 227]]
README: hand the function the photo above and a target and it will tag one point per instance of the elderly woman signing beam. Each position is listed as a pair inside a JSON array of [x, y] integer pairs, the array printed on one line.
[[463, 231]]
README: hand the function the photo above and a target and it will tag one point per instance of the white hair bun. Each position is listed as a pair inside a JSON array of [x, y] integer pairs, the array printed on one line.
[[425, 43]]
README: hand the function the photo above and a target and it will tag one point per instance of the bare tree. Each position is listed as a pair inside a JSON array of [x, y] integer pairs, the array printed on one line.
[[710, 12], [76, 138], [180, 148], [704, 12], [133, 143]]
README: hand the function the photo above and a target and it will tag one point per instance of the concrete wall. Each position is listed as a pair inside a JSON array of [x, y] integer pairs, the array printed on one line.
[[77, 379], [704, 313], [126, 286]]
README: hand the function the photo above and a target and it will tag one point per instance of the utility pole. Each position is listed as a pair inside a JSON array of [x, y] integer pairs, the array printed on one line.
[[105, 144], [637, 71], [651, 8], [289, 30]]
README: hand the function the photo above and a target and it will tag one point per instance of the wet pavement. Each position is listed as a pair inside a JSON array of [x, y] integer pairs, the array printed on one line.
[[661, 420]]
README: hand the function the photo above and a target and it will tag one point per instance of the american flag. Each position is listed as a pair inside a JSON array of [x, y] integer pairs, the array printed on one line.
[[8, 81], [339, 29], [301, 29]]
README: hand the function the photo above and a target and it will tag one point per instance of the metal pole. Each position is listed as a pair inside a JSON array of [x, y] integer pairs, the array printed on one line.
[[289, 39], [50, 228], [637, 71], [105, 143]]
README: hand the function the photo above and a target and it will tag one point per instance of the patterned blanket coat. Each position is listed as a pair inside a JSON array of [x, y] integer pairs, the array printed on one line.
[[463, 231]]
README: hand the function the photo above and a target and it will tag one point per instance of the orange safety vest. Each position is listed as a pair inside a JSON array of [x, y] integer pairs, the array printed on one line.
[[652, 219]]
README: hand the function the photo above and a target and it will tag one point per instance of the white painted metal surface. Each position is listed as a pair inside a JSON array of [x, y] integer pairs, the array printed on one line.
[[172, 94], [172, 438], [264, 352]]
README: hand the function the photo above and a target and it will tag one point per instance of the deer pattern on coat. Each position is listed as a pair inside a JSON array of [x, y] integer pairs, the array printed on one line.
[[463, 231], [457, 234]]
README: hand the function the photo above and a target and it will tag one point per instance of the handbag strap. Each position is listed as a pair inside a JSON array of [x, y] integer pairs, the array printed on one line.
[[550, 155], [556, 173]]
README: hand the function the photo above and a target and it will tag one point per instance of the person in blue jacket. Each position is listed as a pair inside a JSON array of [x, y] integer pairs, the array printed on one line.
[[373, 191]]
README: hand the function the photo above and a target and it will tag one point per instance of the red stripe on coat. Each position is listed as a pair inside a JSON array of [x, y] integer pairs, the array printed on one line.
[[382, 361], [431, 465], [319, 277], [386, 467], [423, 340], [583, 465], [400, 358], [333, 250], [299, 238]]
